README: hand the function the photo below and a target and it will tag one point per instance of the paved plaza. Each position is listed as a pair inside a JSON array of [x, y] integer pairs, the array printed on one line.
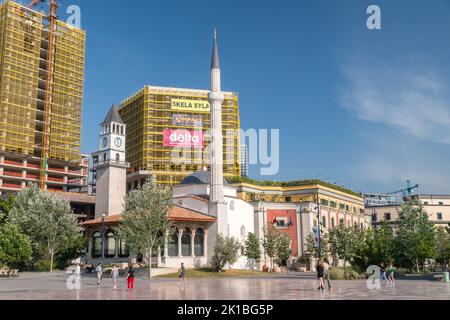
[[43, 286]]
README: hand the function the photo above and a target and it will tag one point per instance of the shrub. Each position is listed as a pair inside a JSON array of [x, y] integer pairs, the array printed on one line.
[[339, 274], [42, 266]]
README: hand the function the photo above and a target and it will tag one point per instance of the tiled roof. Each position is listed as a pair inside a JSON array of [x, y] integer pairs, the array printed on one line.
[[177, 214], [76, 197]]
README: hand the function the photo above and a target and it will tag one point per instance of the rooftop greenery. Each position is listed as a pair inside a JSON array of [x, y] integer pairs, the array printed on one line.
[[296, 183]]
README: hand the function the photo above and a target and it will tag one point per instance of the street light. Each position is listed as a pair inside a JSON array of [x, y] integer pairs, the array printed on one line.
[[103, 237]]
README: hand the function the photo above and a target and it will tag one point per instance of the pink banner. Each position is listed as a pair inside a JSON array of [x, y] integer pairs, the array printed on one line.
[[183, 138]]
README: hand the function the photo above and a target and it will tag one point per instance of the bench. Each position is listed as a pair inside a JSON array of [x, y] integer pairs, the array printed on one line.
[[9, 273]]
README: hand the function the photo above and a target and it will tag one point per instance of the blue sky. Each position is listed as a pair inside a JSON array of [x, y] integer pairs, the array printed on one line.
[[367, 109]]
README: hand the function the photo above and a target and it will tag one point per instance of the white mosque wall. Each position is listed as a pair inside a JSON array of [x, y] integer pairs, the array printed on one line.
[[241, 223]]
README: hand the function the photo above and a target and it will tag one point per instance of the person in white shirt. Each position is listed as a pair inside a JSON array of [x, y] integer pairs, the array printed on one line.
[[99, 271]]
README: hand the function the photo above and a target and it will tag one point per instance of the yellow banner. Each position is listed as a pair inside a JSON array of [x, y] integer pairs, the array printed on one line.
[[190, 105]]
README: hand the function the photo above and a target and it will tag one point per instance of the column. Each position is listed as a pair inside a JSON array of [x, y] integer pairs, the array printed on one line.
[[116, 252], [193, 243], [180, 234]]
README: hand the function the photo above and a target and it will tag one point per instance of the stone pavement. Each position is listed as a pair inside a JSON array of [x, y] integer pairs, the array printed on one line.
[[43, 286]]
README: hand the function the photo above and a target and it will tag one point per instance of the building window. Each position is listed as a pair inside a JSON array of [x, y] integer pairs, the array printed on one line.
[[333, 223], [124, 249], [96, 245], [288, 199], [425, 203], [347, 208], [324, 202], [186, 244], [333, 204], [243, 233], [173, 244], [439, 215], [110, 244], [341, 206], [324, 222], [199, 243], [117, 157], [374, 217], [387, 216], [281, 223], [441, 203]]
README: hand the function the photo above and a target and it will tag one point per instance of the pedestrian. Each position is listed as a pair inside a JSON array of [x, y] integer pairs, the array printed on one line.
[[115, 275], [383, 273], [320, 275], [130, 279], [326, 272], [391, 274], [182, 274], [99, 271]]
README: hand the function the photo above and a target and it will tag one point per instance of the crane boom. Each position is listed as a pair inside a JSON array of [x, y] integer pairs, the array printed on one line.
[[48, 96]]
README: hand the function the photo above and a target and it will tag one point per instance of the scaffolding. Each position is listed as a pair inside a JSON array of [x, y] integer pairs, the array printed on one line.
[[24, 44], [148, 113]]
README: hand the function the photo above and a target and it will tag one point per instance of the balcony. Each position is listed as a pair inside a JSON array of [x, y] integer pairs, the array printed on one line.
[[12, 186]]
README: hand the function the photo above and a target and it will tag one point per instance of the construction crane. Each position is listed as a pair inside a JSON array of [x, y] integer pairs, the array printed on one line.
[[408, 191], [52, 17]]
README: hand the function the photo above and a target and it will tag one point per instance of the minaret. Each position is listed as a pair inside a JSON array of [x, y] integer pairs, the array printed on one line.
[[216, 98]]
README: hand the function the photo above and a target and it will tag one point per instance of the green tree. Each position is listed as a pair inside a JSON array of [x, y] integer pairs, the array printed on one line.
[[46, 219], [343, 244], [270, 243], [15, 247], [314, 250], [5, 207], [225, 251], [252, 249], [283, 249], [146, 220], [443, 246], [416, 236], [71, 252]]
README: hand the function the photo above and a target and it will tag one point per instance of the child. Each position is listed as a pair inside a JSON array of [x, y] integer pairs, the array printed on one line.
[[391, 274], [182, 274]]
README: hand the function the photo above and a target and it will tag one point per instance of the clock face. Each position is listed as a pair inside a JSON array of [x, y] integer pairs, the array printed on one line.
[[118, 142], [105, 142]]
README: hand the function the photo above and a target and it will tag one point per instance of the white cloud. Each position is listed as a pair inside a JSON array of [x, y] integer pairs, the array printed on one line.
[[417, 104]]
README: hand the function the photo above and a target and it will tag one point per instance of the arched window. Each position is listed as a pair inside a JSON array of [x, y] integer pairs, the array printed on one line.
[[186, 244], [96, 245], [117, 157], [173, 244], [110, 244], [199, 243], [243, 233], [124, 249]]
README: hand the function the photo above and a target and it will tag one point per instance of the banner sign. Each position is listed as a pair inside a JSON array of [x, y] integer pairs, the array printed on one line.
[[190, 105], [187, 120], [183, 138]]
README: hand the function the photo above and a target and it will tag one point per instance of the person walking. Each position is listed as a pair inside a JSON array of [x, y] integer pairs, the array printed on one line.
[[115, 275], [182, 274], [130, 279], [99, 271], [320, 276], [326, 272], [383, 273], [391, 274]]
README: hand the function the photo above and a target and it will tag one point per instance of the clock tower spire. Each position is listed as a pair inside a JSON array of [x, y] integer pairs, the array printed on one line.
[[110, 165]]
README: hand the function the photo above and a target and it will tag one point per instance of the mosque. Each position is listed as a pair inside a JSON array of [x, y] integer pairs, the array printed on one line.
[[204, 204]]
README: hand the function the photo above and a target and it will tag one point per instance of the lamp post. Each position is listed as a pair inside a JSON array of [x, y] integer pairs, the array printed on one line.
[[319, 223], [103, 238]]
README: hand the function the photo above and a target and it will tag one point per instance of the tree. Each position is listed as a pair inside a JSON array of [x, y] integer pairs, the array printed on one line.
[[252, 249], [416, 240], [343, 243], [443, 246], [146, 220], [225, 251], [46, 219], [15, 247], [270, 243], [283, 249], [71, 252], [313, 248], [5, 207]]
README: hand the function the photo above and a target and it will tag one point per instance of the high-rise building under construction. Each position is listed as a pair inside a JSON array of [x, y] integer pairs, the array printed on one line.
[[41, 96], [168, 133]]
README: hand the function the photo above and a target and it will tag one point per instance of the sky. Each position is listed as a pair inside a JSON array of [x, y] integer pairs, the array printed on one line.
[[367, 109]]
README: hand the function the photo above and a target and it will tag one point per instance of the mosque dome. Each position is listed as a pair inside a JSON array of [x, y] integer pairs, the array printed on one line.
[[201, 177]]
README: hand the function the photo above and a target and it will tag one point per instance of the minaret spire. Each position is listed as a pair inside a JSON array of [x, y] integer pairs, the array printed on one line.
[[216, 98]]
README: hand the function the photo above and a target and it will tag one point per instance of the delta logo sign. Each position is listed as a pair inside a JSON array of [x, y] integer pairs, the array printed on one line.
[[184, 138]]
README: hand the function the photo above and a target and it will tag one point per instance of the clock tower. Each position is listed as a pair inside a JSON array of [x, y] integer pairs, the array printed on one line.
[[110, 166]]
